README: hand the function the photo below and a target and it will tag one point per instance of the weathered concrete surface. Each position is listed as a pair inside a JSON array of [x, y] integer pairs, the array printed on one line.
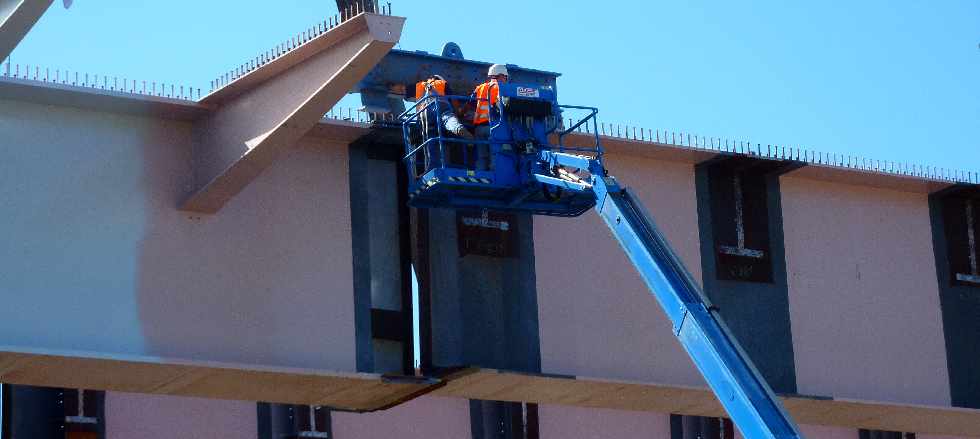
[[822, 432], [768, 342], [483, 308], [560, 422], [864, 302], [93, 247], [17, 17], [263, 114], [132, 416], [597, 317], [422, 418]]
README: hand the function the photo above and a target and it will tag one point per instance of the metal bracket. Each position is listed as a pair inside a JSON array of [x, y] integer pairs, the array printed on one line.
[[974, 276], [968, 278], [740, 249]]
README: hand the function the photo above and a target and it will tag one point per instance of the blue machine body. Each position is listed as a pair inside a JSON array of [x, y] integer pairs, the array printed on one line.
[[445, 170], [533, 171]]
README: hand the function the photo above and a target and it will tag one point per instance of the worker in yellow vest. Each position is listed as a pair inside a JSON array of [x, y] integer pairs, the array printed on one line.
[[486, 98]]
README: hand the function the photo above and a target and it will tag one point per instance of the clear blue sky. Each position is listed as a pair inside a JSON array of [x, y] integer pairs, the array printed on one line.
[[895, 80]]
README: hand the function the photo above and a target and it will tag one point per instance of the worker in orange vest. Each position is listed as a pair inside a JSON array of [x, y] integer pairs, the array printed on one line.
[[486, 98], [437, 86], [435, 112]]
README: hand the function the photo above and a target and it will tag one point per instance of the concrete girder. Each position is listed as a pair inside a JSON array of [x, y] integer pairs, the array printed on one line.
[[363, 392], [17, 17], [265, 112], [359, 392]]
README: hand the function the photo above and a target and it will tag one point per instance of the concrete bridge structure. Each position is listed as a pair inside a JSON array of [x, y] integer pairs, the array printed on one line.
[[241, 265]]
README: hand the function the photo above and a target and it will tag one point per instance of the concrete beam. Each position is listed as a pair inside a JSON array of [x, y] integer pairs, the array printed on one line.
[[17, 17], [494, 385], [362, 392], [359, 392], [264, 113]]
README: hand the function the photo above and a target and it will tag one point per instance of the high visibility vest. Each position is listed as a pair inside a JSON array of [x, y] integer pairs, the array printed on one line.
[[437, 86], [486, 95]]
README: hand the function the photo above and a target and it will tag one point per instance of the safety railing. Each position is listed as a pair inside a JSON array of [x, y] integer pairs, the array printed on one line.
[[429, 146], [580, 126]]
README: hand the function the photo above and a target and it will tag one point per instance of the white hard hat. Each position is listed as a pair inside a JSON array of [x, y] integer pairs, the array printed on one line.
[[497, 69]]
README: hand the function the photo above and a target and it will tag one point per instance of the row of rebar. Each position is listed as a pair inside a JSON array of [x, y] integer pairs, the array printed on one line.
[[307, 35], [781, 152], [720, 145], [185, 92], [358, 116], [97, 81]]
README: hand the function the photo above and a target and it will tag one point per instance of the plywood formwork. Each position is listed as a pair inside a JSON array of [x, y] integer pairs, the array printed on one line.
[[344, 391], [371, 392], [698, 401]]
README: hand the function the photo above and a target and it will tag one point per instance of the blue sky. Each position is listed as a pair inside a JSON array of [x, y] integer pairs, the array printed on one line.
[[895, 80]]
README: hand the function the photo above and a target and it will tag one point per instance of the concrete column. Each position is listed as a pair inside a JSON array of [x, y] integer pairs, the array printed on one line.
[[768, 341], [484, 313]]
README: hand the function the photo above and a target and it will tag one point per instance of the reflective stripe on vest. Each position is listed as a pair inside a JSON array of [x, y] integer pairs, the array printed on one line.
[[486, 95]]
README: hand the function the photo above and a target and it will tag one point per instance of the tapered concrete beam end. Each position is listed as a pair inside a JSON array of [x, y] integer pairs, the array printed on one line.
[[385, 28], [265, 112], [17, 17]]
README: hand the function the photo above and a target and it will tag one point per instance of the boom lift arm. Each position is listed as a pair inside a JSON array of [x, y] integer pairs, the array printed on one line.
[[530, 174], [729, 372]]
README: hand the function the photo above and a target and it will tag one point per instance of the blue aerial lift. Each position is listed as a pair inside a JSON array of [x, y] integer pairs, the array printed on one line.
[[532, 170]]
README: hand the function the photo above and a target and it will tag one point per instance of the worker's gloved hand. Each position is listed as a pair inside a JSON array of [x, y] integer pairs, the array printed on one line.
[[453, 125]]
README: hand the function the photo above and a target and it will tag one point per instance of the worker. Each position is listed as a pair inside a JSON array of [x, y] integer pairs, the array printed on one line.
[[436, 85], [486, 98], [436, 112]]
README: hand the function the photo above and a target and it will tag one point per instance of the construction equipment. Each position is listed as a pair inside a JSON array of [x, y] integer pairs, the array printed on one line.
[[534, 171]]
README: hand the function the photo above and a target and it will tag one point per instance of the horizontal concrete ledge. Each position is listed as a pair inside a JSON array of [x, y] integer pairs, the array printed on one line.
[[339, 131], [621, 395], [342, 131], [88, 98], [361, 392], [861, 177], [79, 370], [641, 148]]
